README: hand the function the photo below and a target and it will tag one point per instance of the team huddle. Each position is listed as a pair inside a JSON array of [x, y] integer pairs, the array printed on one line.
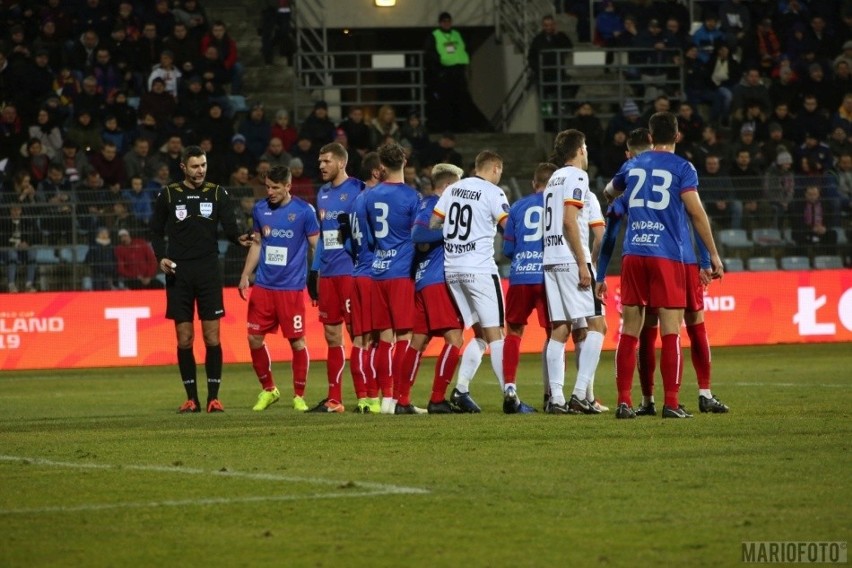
[[397, 269]]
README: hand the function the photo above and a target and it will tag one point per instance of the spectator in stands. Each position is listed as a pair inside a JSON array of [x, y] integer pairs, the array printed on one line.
[[90, 99], [766, 43], [275, 154], [357, 131], [257, 130], [809, 220], [138, 162], [449, 102], [689, 124], [274, 30], [101, 261], [139, 200], [122, 111], [815, 83], [383, 126], [750, 88], [842, 180], [47, 132], [708, 35], [82, 54], [121, 218], [710, 145], [735, 22], [13, 134], [781, 115], [215, 126], [813, 157], [184, 48], [107, 74], [57, 221], [842, 117], [122, 54], [238, 156], [160, 180], [23, 192], [194, 100], [776, 143], [717, 192], [239, 178], [111, 132], [301, 185], [747, 187], [163, 18], [148, 49], [540, 51], [158, 102], [309, 154], [822, 38], [845, 54], [50, 42], [586, 121], [35, 161], [192, 17], [785, 87], [613, 154], [283, 130], [661, 103], [353, 164], [609, 27], [17, 234], [779, 184], [444, 151], [413, 130], [170, 153], [258, 180], [227, 51], [839, 142], [36, 85], [317, 126], [213, 74], [128, 21], [627, 121], [724, 74], [72, 161], [135, 262], [754, 116], [109, 165], [149, 130], [166, 71]]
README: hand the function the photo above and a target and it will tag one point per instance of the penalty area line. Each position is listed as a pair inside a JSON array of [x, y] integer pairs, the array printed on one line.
[[367, 489]]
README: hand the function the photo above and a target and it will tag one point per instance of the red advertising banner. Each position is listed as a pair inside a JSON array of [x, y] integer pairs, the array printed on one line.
[[116, 329]]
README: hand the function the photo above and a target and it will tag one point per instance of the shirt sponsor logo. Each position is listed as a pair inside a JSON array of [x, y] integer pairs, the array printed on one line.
[[206, 209], [180, 212]]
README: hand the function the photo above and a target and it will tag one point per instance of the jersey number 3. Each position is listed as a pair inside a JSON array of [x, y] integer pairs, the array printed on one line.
[[662, 189]]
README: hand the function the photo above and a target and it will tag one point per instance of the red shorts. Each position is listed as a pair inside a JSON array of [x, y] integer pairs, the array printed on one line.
[[522, 299], [434, 311], [694, 288], [334, 299], [270, 309], [654, 282], [393, 304], [362, 305]]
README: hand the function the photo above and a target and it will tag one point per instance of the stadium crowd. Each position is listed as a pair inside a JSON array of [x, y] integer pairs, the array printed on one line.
[[99, 97]]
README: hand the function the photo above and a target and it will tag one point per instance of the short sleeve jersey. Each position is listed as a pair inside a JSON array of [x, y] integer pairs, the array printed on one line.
[[430, 268], [591, 216], [284, 232], [523, 229], [471, 209], [331, 202], [567, 186], [391, 208], [653, 183], [358, 222]]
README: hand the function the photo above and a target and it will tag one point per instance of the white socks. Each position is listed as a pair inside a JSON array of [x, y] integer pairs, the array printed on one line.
[[588, 362], [470, 361], [497, 361], [555, 355]]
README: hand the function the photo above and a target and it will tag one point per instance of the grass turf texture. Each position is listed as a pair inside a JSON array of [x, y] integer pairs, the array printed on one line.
[[117, 478]]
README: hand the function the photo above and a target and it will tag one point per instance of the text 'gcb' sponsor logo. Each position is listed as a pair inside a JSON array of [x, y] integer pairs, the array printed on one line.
[[271, 232]]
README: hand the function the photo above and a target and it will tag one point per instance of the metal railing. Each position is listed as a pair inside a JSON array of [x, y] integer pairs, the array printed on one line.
[[373, 79], [569, 76]]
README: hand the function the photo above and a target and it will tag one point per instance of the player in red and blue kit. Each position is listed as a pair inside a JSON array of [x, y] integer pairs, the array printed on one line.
[[364, 338], [660, 190], [522, 243], [285, 228], [334, 266], [436, 313], [391, 209]]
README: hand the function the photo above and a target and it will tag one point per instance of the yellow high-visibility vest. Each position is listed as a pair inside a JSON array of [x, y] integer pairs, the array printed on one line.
[[450, 46]]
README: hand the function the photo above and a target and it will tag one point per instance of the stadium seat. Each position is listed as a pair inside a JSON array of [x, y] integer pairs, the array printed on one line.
[[733, 239], [841, 235], [762, 264], [827, 261], [46, 255], [795, 263], [73, 253], [733, 264], [238, 103], [133, 102], [767, 237]]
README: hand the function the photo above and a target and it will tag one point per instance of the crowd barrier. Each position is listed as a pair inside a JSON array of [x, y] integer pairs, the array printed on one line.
[[128, 328]]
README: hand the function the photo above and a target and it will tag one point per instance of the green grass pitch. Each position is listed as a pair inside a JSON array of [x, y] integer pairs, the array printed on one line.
[[97, 469]]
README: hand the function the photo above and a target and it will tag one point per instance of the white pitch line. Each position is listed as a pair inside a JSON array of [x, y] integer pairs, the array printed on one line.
[[802, 385], [373, 489]]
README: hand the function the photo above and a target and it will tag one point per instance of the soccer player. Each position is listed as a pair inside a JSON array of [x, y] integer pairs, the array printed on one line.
[[469, 213], [435, 312], [568, 273], [189, 214], [333, 287], [638, 142], [285, 229], [391, 208], [661, 193], [364, 338], [523, 244]]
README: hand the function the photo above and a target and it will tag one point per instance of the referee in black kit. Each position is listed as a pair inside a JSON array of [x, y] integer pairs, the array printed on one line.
[[188, 214]]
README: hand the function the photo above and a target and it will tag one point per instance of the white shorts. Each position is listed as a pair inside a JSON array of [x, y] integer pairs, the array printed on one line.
[[479, 298], [565, 300]]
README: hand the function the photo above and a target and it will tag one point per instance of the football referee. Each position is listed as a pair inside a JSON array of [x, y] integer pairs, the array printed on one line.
[[184, 229]]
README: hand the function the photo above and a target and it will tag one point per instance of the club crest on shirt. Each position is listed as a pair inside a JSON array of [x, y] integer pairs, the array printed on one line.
[[291, 217], [505, 207], [180, 212], [578, 194], [206, 209], [344, 196]]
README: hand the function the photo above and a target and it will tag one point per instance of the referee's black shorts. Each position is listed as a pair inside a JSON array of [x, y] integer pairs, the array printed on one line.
[[197, 281]]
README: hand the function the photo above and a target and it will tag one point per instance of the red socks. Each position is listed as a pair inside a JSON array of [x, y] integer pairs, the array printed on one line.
[[700, 350], [511, 357], [647, 359], [671, 366], [382, 363], [301, 362], [408, 373], [399, 349], [445, 368], [356, 367], [334, 369], [625, 363], [262, 367]]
